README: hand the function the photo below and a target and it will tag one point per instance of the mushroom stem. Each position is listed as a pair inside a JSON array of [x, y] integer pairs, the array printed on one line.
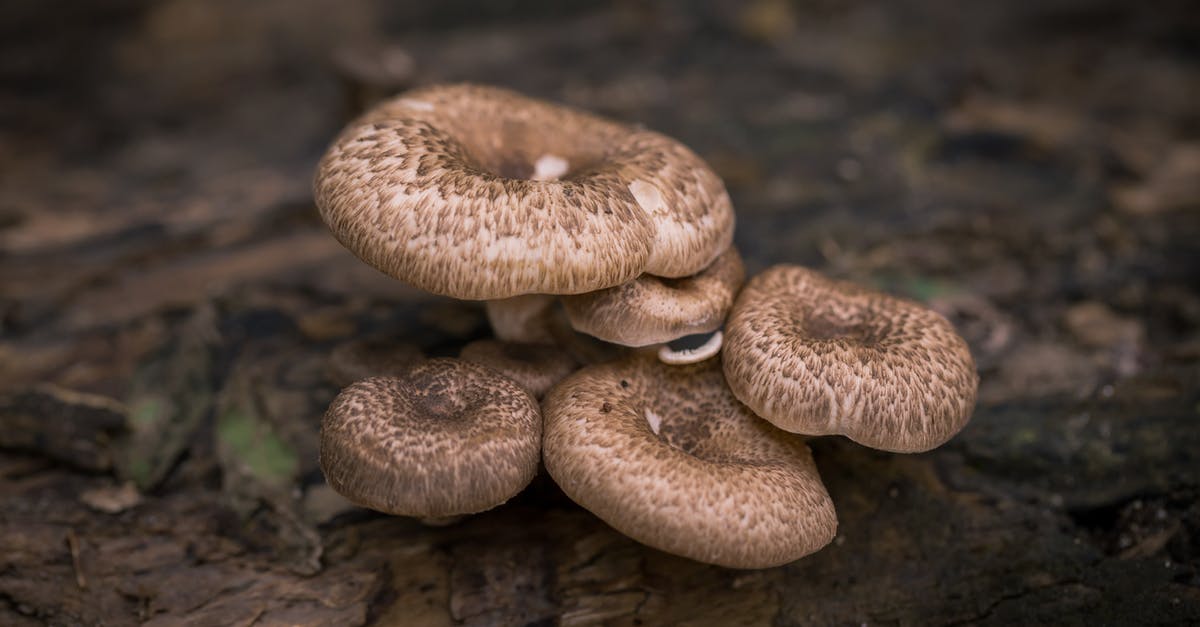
[[522, 318], [537, 319]]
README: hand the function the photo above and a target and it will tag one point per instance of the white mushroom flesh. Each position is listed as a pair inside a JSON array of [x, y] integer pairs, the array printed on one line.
[[549, 168], [668, 355]]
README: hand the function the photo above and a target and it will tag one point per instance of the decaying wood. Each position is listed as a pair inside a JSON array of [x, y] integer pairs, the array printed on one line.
[[169, 301]]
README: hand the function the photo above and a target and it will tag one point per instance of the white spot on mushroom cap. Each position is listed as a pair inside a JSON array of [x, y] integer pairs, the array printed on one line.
[[508, 247], [654, 420], [419, 105], [691, 355], [647, 196], [549, 168]]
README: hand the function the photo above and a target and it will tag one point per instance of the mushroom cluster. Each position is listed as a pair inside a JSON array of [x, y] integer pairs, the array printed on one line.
[[581, 235]]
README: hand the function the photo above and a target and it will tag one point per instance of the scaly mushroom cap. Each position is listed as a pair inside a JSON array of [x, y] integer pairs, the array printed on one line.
[[653, 310], [666, 455], [448, 437], [535, 367], [481, 193], [819, 357]]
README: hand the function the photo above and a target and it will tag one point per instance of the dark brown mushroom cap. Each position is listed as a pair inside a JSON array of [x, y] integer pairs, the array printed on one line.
[[652, 310], [436, 189], [358, 359], [667, 455], [818, 356], [448, 437], [535, 367]]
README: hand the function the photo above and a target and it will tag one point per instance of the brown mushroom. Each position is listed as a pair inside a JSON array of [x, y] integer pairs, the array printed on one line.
[[656, 310], [446, 438], [535, 367], [818, 356], [667, 455], [481, 193]]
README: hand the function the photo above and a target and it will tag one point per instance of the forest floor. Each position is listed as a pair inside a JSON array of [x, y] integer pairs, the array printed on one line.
[[169, 299]]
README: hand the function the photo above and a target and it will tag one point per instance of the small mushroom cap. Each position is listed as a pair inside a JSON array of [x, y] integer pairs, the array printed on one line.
[[652, 310], [448, 437], [436, 188], [666, 455], [370, 357], [820, 357], [535, 367]]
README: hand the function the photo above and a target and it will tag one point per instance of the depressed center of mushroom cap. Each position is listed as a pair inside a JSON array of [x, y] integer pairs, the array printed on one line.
[[438, 408], [690, 432], [692, 423], [828, 326], [683, 422], [527, 151], [435, 398]]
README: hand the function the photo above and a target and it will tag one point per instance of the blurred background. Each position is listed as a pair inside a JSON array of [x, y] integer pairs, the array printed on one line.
[[169, 299]]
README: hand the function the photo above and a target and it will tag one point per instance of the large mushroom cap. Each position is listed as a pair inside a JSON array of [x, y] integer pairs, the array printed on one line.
[[818, 356], [448, 437], [669, 457], [481, 193], [653, 310]]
